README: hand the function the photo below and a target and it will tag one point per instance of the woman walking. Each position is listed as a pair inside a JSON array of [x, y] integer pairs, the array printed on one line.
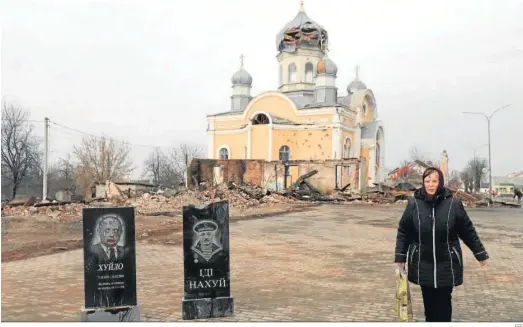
[[428, 238]]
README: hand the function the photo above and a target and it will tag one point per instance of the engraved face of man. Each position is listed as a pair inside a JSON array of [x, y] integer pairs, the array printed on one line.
[[110, 231], [206, 237]]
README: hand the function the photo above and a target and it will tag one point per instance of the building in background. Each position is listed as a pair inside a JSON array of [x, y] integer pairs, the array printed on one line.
[[504, 185], [305, 118]]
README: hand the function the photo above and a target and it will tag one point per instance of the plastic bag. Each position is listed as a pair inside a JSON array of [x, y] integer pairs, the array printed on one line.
[[403, 304]]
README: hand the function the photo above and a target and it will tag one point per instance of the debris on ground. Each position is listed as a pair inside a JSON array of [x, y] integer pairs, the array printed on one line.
[[303, 190], [242, 198], [239, 196]]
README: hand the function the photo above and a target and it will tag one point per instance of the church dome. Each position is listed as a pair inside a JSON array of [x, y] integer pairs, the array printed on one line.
[[302, 31], [356, 85], [327, 66], [242, 77]]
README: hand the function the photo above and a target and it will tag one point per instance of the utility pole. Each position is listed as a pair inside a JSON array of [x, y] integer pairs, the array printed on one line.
[[46, 158], [186, 169], [488, 118]]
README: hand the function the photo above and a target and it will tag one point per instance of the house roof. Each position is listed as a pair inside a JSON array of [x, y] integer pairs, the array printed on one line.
[[507, 180]]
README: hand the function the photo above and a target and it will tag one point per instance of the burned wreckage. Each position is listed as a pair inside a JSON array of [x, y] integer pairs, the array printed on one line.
[[302, 31]]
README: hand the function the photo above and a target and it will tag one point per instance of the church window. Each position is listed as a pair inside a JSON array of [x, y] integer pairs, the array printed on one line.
[[285, 153], [260, 119], [292, 73], [364, 109], [347, 149], [308, 73], [224, 154], [281, 75]]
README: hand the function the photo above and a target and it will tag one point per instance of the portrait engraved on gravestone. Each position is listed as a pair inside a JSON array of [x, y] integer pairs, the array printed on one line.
[[109, 257], [109, 245], [206, 251], [205, 244]]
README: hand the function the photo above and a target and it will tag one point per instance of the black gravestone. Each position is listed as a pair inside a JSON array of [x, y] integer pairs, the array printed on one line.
[[207, 293], [109, 257]]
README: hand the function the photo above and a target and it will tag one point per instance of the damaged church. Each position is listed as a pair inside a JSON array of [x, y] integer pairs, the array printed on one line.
[[304, 124]]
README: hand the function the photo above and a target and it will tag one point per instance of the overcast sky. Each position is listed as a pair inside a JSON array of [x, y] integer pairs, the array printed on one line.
[[149, 71]]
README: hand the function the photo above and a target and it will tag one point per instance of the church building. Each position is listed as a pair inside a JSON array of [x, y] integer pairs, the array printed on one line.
[[305, 119]]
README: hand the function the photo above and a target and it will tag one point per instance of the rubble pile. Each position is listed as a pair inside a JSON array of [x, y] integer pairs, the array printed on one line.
[[469, 200], [245, 196], [160, 205], [239, 197], [59, 211]]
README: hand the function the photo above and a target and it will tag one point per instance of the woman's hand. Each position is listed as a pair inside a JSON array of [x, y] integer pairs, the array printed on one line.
[[400, 265], [483, 263]]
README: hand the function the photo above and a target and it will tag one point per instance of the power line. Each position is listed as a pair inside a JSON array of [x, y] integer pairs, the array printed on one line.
[[28, 120], [100, 137]]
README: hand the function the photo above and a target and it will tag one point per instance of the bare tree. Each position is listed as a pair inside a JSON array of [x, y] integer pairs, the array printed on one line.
[[478, 169], [155, 166], [180, 158], [417, 154], [21, 156], [467, 179], [85, 179], [101, 159], [454, 179], [62, 175]]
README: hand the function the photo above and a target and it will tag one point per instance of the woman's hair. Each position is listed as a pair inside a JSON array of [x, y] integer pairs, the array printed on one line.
[[430, 171]]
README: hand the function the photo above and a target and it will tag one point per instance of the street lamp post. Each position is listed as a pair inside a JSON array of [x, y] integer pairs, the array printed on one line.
[[489, 156]]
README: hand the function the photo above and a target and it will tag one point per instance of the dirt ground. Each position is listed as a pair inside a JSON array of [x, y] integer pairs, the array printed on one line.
[[33, 236]]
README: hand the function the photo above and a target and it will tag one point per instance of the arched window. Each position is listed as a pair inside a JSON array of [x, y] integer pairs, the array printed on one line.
[[292, 73], [347, 149], [224, 154], [285, 153], [281, 75], [364, 109], [308, 73], [260, 119]]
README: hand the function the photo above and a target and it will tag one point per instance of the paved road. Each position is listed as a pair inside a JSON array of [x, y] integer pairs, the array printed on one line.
[[332, 263]]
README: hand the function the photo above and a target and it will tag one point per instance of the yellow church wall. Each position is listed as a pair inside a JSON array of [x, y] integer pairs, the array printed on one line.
[[365, 154], [344, 136], [369, 113], [304, 144], [346, 174], [318, 119], [348, 121], [274, 105], [236, 143], [260, 142], [226, 124]]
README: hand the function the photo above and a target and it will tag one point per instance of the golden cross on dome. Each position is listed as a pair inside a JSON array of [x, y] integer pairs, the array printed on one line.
[[241, 60], [302, 9], [357, 70]]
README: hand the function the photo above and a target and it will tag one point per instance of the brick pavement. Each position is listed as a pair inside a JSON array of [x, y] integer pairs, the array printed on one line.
[[330, 264]]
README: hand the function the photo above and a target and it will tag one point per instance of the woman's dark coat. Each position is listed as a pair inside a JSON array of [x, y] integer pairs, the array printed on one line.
[[431, 246]]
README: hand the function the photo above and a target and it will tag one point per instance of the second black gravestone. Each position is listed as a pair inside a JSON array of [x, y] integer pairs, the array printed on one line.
[[207, 292], [109, 265]]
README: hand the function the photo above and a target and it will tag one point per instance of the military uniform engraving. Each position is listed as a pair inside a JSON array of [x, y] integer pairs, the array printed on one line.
[[206, 262]]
